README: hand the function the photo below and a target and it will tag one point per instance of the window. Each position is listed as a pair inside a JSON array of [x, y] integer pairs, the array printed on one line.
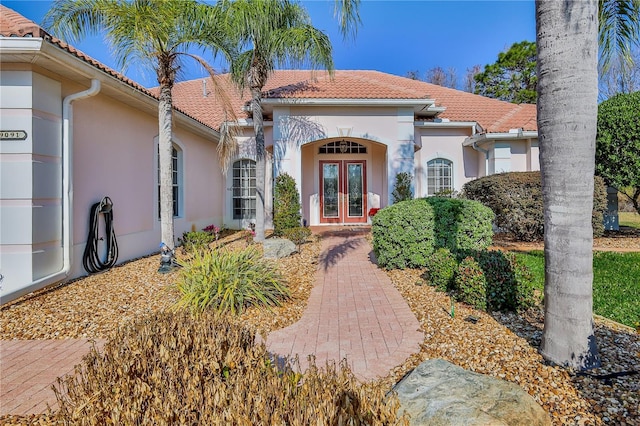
[[439, 176], [175, 180], [244, 189], [342, 147]]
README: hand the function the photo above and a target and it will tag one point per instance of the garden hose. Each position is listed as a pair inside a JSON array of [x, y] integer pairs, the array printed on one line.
[[91, 259]]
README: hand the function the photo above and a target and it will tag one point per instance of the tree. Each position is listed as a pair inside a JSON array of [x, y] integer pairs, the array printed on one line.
[[513, 77], [567, 108], [621, 77], [619, 30], [443, 78], [157, 34], [470, 78], [618, 144], [567, 39], [275, 33]]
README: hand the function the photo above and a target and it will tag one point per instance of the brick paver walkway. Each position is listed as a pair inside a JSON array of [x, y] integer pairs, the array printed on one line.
[[28, 368], [354, 312]]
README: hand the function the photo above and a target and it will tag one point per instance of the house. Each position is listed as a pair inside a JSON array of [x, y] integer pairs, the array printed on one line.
[[74, 131]]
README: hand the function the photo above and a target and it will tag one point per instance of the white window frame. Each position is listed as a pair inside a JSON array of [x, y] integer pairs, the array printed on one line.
[[245, 193], [178, 180], [437, 165]]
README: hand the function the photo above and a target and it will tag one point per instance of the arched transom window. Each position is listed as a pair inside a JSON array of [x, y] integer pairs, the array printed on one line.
[[244, 189], [342, 147], [439, 176]]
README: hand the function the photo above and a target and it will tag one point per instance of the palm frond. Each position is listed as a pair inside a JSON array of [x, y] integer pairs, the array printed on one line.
[[619, 29]]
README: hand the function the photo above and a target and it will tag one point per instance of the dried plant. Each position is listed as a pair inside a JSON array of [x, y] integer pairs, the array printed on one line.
[[175, 368]]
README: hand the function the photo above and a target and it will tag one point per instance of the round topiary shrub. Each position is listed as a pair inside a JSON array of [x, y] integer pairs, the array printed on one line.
[[403, 235], [509, 283], [470, 284], [441, 269], [461, 224]]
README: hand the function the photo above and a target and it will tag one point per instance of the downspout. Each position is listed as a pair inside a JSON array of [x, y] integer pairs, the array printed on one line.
[[67, 186], [486, 156]]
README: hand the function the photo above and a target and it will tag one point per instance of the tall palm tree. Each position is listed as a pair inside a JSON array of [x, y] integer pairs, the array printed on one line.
[[153, 33], [567, 40], [275, 33]]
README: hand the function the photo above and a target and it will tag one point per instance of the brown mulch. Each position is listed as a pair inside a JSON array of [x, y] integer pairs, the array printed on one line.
[[500, 345], [627, 239]]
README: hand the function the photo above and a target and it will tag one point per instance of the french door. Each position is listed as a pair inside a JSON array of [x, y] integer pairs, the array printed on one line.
[[343, 191]]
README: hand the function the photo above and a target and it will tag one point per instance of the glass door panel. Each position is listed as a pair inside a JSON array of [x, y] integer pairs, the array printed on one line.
[[331, 190], [354, 186]]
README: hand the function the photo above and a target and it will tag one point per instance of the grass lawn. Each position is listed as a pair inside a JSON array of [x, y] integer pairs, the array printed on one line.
[[616, 283], [631, 219]]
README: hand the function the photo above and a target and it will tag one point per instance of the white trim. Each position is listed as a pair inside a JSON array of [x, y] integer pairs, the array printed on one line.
[[438, 124], [481, 138], [427, 105]]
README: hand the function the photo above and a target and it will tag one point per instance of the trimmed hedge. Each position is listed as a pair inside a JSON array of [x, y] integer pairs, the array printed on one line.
[[286, 205], [403, 235], [461, 224], [516, 200], [441, 269], [471, 284]]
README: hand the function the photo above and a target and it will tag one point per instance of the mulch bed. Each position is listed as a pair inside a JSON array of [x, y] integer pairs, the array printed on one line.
[[500, 345]]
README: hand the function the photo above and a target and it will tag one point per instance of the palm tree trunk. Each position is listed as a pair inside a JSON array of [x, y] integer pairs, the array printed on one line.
[[567, 35], [258, 127], [164, 151]]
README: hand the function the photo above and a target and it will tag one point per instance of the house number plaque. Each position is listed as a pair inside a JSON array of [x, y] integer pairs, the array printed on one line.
[[13, 135]]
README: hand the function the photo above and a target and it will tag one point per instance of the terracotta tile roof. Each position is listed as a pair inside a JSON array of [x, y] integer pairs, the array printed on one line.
[[493, 115]]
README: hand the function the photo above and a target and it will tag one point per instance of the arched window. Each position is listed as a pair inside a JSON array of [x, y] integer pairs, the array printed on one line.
[[342, 147], [176, 180], [244, 189], [439, 176]]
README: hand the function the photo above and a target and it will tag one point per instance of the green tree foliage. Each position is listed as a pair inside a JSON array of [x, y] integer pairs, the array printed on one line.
[[286, 205], [274, 34], [513, 77], [402, 187], [158, 34], [618, 144]]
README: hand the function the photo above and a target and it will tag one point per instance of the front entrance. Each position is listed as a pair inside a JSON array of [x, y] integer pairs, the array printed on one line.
[[343, 191]]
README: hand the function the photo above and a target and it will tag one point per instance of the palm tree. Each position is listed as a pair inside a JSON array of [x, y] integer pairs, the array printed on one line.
[[619, 27], [275, 33], [567, 40], [157, 34]]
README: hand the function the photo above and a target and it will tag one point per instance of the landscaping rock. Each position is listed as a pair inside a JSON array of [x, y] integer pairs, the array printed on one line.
[[440, 393], [275, 248]]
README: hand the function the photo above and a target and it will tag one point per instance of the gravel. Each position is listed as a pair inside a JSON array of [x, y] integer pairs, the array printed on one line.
[[501, 345]]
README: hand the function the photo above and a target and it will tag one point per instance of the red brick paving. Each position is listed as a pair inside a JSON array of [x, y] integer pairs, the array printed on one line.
[[28, 369], [354, 312]]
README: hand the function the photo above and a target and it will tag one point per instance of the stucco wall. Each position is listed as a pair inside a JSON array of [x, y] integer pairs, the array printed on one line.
[[445, 143]]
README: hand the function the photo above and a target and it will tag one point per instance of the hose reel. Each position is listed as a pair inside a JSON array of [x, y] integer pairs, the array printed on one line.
[[91, 259]]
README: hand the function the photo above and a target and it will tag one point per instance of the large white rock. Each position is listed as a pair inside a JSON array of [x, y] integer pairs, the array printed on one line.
[[440, 393], [275, 248]]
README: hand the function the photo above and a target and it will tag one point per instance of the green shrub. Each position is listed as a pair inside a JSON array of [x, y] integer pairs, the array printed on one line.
[[470, 284], [297, 235], [510, 285], [402, 187], [286, 205], [196, 241], [225, 280], [174, 368], [403, 234], [461, 224], [516, 200], [441, 269]]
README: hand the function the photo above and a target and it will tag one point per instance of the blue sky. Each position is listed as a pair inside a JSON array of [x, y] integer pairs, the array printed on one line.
[[395, 36]]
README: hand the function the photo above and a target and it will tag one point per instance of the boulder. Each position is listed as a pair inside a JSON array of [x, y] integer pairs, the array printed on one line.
[[440, 393], [275, 248]]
